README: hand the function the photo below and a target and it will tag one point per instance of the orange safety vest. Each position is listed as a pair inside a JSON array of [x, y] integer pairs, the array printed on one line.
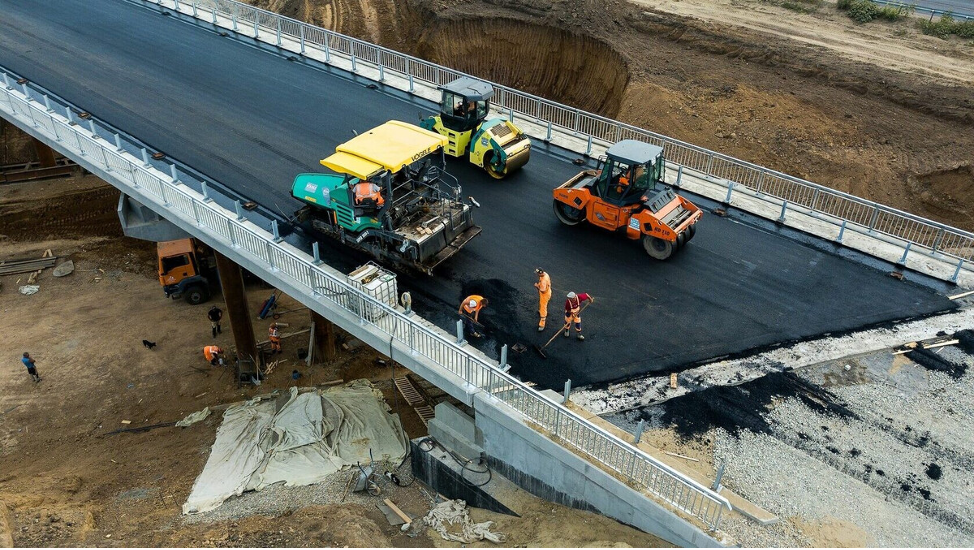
[[273, 333], [478, 301], [544, 284], [210, 352], [368, 190]]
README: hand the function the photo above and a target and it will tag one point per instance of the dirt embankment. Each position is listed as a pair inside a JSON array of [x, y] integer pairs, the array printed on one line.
[[889, 131]]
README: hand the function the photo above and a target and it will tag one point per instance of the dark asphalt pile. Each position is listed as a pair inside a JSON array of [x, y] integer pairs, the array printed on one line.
[[742, 407]]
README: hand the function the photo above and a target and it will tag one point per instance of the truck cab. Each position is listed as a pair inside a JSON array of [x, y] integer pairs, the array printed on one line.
[[183, 265]]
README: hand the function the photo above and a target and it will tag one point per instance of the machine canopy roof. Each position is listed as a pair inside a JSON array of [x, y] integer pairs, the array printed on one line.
[[473, 90], [391, 147], [634, 152]]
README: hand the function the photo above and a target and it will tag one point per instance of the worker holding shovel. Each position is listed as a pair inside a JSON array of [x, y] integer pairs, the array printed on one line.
[[573, 312], [470, 310], [544, 294]]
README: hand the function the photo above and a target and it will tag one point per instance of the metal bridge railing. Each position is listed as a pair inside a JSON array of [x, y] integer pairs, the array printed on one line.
[[913, 233], [937, 9], [80, 137]]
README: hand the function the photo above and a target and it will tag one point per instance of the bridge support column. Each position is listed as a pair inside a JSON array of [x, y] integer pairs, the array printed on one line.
[[324, 337], [44, 154], [231, 280]]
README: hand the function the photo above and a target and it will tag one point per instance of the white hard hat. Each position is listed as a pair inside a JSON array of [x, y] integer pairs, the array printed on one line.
[[571, 295], [472, 304]]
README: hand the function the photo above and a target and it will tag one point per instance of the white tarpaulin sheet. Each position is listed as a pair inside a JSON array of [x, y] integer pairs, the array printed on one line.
[[298, 439]]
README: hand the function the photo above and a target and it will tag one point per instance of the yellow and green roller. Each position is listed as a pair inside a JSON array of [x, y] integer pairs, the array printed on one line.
[[495, 144]]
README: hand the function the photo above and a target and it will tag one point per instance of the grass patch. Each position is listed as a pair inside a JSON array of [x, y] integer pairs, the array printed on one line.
[[802, 6], [864, 11], [946, 26]]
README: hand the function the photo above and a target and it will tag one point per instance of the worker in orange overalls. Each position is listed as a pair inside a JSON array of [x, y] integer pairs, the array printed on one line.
[[544, 294], [573, 309], [368, 191], [213, 354], [471, 306], [275, 337]]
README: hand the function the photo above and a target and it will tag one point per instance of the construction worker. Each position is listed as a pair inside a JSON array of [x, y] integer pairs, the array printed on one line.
[[572, 312], [28, 362], [275, 338], [544, 294], [471, 306], [214, 315], [368, 191], [213, 354]]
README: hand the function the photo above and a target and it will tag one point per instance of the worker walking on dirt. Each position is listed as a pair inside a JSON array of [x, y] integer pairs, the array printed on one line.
[[214, 315], [470, 310], [573, 310], [275, 337], [213, 354], [544, 294], [28, 362]]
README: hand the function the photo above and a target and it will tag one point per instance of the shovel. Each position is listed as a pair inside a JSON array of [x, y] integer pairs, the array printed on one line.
[[540, 349]]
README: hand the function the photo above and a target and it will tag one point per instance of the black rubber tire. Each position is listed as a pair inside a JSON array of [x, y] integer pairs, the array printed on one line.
[[492, 171], [691, 231], [681, 240], [657, 248], [196, 295], [567, 214]]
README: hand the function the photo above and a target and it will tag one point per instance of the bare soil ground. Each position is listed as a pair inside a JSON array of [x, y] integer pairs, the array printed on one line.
[[67, 481], [878, 110]]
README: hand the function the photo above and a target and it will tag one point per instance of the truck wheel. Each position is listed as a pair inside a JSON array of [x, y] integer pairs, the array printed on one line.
[[657, 248], [196, 295], [496, 172], [568, 215]]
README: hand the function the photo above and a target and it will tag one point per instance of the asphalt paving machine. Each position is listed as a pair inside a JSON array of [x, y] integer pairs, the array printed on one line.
[[494, 144], [627, 194], [390, 197]]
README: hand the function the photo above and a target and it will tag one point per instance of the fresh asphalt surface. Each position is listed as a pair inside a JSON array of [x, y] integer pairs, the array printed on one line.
[[252, 120]]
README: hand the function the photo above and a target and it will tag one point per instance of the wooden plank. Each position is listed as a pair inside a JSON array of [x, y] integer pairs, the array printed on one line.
[[930, 346], [681, 456], [396, 509], [673, 381], [26, 266], [961, 295]]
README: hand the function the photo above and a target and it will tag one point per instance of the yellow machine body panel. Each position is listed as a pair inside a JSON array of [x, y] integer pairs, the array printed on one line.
[[390, 146]]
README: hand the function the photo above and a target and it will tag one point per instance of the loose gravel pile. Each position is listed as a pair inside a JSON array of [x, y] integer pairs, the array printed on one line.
[[875, 442]]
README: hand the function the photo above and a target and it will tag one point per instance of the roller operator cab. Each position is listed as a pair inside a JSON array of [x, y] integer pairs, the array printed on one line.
[[390, 197], [495, 144], [185, 269], [627, 194]]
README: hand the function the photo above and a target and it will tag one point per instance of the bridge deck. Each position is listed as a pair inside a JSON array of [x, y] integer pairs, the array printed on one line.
[[252, 120]]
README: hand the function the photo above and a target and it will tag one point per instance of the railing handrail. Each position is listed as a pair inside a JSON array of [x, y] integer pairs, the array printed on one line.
[[923, 9], [222, 224]]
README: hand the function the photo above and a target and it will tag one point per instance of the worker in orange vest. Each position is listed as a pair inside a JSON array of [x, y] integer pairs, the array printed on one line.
[[573, 310], [470, 310], [366, 190], [213, 354], [275, 338], [544, 294]]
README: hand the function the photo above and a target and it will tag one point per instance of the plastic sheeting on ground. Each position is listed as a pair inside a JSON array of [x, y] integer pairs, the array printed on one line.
[[298, 439], [193, 418]]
